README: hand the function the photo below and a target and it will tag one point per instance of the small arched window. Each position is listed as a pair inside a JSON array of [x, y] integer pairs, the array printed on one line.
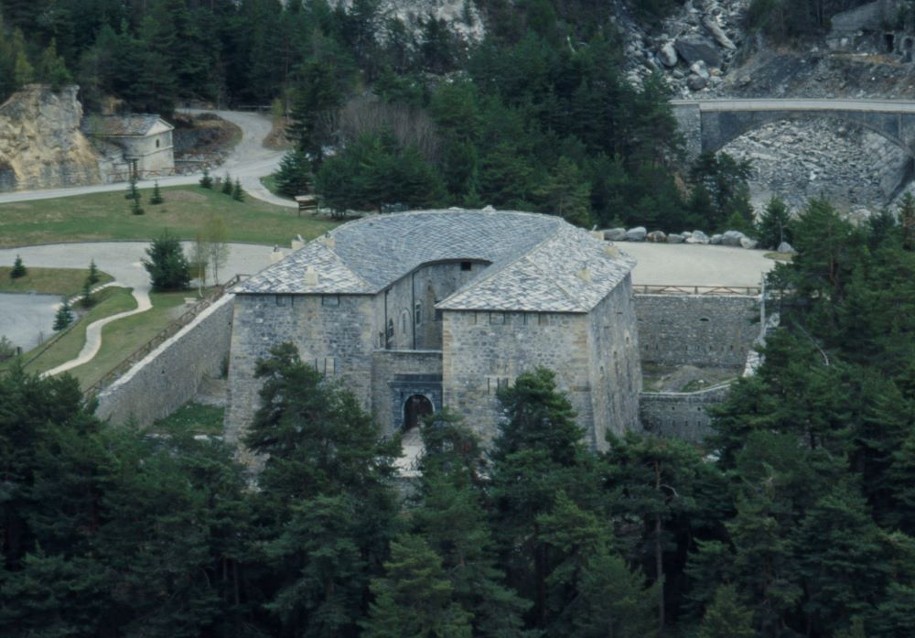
[[157, 143]]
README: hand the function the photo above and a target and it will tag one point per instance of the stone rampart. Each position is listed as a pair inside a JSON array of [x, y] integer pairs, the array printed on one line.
[[680, 415], [698, 330], [170, 375], [331, 332]]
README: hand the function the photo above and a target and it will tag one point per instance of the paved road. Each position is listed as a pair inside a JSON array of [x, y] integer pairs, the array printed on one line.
[[696, 265], [249, 161]]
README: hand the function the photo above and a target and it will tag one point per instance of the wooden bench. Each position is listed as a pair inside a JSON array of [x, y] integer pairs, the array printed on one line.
[[307, 203]]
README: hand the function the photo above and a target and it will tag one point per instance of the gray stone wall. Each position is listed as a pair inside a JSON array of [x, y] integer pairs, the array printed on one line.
[[170, 375], [155, 153], [715, 331], [614, 366], [399, 374], [689, 123], [420, 290], [680, 415], [332, 332], [483, 350]]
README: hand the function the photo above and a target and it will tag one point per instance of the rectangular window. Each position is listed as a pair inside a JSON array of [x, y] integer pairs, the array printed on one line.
[[466, 265], [330, 366], [330, 300], [282, 300], [418, 313], [497, 318]]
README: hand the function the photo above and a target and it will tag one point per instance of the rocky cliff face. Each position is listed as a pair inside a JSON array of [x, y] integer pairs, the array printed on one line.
[[41, 145]]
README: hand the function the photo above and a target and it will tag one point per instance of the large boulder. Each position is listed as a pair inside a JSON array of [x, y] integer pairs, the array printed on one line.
[[786, 249], [675, 238], [694, 48], [668, 54], [696, 82], [715, 240], [615, 234], [731, 238], [697, 237], [749, 244], [636, 234], [718, 33], [656, 237]]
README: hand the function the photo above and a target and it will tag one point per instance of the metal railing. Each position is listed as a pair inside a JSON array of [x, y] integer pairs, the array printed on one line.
[[213, 295], [745, 291]]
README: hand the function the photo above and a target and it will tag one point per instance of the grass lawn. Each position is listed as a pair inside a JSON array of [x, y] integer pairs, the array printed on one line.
[[52, 281], [67, 346], [119, 338], [106, 216], [122, 338], [192, 418]]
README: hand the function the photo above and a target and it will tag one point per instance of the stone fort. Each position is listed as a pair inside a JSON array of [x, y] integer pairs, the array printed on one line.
[[423, 310]]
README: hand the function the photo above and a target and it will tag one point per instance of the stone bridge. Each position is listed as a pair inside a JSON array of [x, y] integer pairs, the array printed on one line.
[[709, 125]]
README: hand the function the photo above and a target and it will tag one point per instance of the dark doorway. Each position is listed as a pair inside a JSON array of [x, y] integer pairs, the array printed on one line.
[[414, 409]]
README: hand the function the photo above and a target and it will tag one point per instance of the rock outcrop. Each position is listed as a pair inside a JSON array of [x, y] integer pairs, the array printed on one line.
[[41, 145]]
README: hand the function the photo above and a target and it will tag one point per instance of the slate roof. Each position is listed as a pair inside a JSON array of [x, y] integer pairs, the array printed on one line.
[[133, 125], [539, 263]]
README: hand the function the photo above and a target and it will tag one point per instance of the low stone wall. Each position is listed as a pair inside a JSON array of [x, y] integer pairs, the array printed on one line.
[[680, 415], [170, 375], [698, 330]]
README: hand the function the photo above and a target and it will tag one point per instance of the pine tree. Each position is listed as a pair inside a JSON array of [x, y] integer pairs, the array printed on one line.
[[237, 193], [227, 185], [907, 221], [773, 226], [64, 316], [93, 277], [86, 299], [327, 506], [166, 264], [206, 181], [415, 599], [156, 197], [293, 175], [133, 194], [727, 617], [19, 269]]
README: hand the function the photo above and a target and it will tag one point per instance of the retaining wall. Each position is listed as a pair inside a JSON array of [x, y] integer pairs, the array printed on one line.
[[710, 331], [680, 415], [170, 375]]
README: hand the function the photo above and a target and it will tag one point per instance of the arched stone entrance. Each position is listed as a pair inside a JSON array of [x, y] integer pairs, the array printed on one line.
[[415, 407]]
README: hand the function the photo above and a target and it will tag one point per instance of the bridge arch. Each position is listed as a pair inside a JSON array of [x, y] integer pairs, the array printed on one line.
[[709, 125]]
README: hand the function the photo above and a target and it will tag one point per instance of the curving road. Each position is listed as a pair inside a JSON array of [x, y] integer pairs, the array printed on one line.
[[249, 161]]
